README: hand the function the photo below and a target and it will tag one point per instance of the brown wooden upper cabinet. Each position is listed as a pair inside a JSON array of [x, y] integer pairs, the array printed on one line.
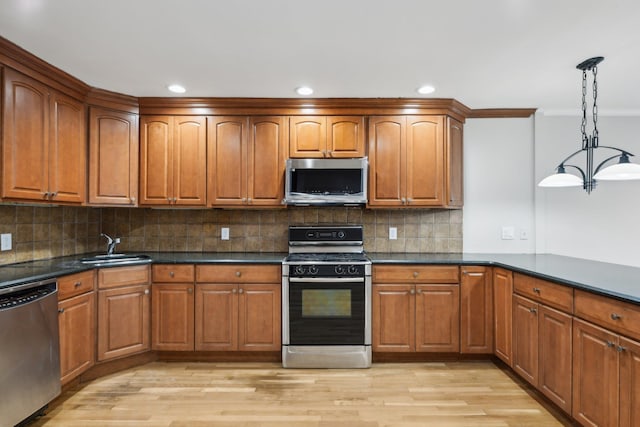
[[173, 160], [43, 143], [246, 159], [415, 161], [113, 157], [326, 136]]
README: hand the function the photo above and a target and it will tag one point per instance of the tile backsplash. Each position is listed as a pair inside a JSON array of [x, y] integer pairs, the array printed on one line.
[[420, 230], [45, 232]]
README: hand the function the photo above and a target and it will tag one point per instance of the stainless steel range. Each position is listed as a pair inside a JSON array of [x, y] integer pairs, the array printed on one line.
[[326, 299]]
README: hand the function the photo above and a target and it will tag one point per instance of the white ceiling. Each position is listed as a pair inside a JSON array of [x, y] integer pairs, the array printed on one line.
[[484, 53]]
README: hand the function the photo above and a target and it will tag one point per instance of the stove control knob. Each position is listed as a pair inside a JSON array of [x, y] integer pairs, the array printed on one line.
[[313, 270], [352, 269], [299, 270], [341, 235], [339, 269]]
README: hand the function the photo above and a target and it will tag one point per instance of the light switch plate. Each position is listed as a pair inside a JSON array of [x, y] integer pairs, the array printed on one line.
[[508, 233], [224, 233], [5, 242], [393, 233]]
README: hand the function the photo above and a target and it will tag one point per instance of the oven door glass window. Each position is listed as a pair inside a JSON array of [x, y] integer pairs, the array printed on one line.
[[326, 314]]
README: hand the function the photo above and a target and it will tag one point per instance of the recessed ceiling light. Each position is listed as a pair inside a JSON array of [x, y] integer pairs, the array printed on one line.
[[425, 90], [304, 90], [176, 88]]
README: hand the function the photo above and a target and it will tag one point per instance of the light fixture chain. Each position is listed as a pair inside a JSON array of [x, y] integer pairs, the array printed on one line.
[[583, 127], [595, 107]]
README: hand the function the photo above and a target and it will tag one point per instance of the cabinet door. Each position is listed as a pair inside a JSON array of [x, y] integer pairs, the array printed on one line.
[[595, 375], [113, 157], [454, 174], [227, 161], [555, 356], [190, 161], [476, 310], [259, 317], [216, 317], [393, 313], [502, 296], [67, 150], [525, 338], [25, 141], [345, 136], [156, 160], [123, 321], [629, 383], [267, 155], [77, 322], [307, 137], [172, 322], [438, 318], [425, 161], [387, 157]]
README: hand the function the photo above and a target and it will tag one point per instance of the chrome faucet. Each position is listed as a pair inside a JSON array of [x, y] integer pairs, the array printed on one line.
[[111, 243]]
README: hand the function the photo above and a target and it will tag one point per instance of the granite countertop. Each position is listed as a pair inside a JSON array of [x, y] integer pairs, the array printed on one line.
[[618, 281]]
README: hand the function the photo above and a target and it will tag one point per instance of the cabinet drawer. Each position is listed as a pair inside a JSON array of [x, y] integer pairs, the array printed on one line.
[[415, 274], [552, 294], [238, 273], [76, 284], [618, 316], [121, 276], [173, 273]]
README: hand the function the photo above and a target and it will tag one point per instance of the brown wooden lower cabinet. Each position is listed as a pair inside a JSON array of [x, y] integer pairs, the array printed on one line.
[[410, 318], [76, 322], [525, 338], [123, 321], [502, 314], [629, 383], [476, 310], [172, 323], [243, 317], [595, 375]]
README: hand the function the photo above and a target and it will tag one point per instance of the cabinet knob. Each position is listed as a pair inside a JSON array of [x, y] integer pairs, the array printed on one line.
[[415, 274], [238, 273], [146, 291], [190, 290], [54, 194], [171, 273], [533, 310], [77, 284], [233, 291], [240, 291], [132, 199], [536, 290], [61, 310], [46, 195], [419, 292], [610, 344], [249, 200], [412, 291], [175, 199], [621, 349], [615, 316]]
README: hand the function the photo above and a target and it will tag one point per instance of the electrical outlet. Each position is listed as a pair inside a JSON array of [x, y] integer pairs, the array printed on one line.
[[524, 235], [393, 233], [5, 242], [224, 233], [508, 232]]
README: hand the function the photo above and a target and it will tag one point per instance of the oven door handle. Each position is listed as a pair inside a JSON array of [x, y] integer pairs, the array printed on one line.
[[326, 280]]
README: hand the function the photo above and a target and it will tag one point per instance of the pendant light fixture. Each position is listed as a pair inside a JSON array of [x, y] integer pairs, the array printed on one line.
[[620, 171]]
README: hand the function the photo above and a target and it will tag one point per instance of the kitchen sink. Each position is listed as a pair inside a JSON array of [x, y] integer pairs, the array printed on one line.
[[116, 259]]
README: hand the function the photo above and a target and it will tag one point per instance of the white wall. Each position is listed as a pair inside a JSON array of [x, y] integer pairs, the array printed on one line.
[[498, 185], [604, 225]]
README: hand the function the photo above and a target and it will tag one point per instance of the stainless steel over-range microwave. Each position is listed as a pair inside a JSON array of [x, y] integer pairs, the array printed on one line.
[[326, 182]]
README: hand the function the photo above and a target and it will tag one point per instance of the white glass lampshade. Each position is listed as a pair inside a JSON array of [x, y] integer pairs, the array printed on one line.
[[619, 172], [561, 179]]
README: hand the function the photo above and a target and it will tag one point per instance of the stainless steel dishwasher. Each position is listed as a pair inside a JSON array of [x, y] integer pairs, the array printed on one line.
[[29, 350]]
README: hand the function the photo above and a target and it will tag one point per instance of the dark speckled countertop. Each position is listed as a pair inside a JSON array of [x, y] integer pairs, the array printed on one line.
[[618, 281]]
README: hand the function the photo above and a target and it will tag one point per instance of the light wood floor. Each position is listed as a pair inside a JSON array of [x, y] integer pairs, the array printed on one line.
[[263, 394]]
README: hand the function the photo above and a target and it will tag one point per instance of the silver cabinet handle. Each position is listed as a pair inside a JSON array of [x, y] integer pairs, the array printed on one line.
[[233, 291], [240, 291], [536, 290], [54, 194], [146, 291], [77, 284], [533, 310], [190, 290], [61, 310], [238, 273], [615, 316], [133, 199], [412, 291], [610, 344], [415, 274], [419, 291], [171, 273], [46, 195], [621, 349]]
